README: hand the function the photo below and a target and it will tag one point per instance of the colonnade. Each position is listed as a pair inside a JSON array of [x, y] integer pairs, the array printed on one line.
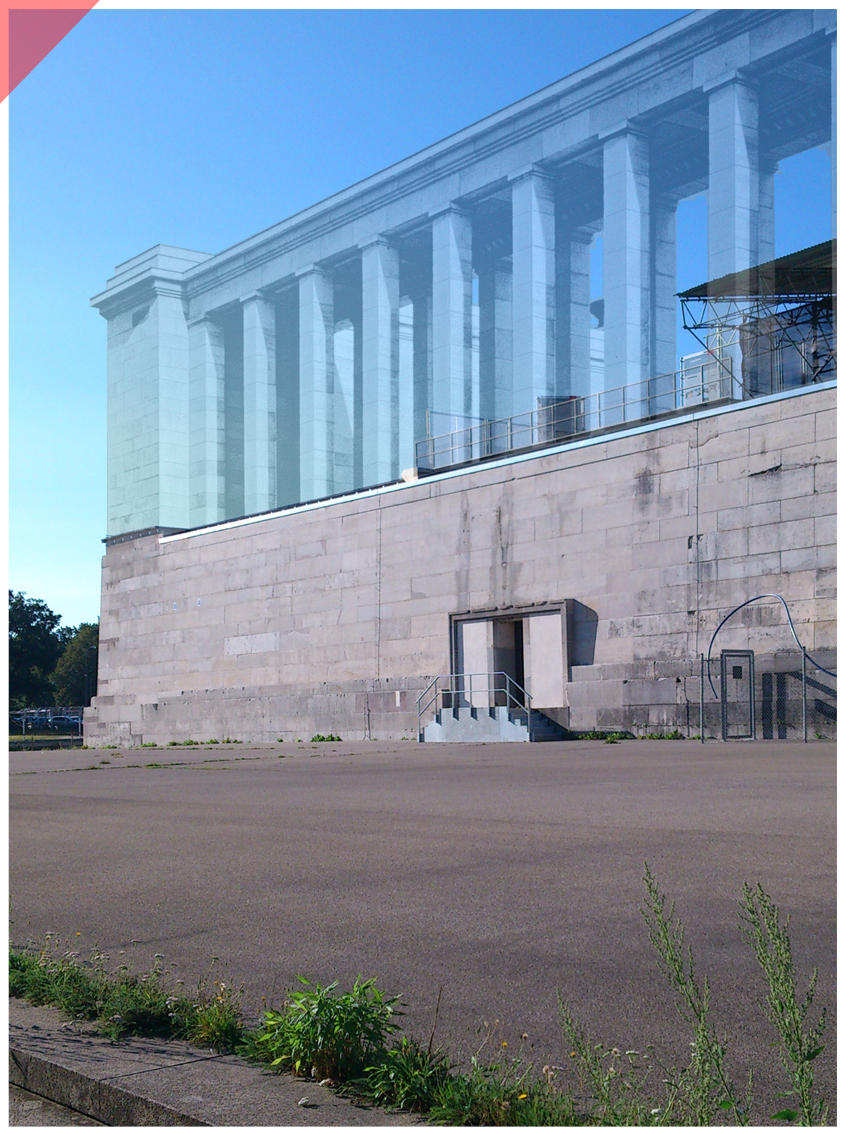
[[316, 413]]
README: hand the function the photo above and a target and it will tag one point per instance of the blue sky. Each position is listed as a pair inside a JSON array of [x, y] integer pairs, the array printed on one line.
[[200, 127]]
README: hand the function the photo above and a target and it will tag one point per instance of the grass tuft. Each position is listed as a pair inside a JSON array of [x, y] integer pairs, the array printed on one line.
[[123, 1003]]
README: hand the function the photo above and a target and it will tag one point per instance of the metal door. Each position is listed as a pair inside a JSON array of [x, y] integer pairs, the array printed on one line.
[[738, 694]]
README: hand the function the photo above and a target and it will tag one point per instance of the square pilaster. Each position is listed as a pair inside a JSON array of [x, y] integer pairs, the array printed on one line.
[[734, 180], [572, 323], [260, 404], [316, 373], [451, 312], [533, 315], [206, 422], [380, 267], [626, 258]]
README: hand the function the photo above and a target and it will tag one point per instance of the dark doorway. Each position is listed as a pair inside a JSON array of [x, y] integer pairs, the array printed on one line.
[[508, 657]]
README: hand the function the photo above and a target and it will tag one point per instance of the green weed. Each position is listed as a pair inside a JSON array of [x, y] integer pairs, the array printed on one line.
[[408, 1076], [319, 736], [121, 1002], [703, 1088], [327, 1034], [799, 1046]]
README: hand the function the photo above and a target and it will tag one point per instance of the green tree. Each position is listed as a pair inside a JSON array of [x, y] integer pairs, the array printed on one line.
[[75, 675], [35, 645]]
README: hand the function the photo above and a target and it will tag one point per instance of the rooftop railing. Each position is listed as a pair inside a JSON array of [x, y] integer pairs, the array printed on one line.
[[558, 419], [701, 380]]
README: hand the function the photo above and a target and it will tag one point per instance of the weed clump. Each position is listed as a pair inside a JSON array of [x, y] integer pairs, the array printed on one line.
[[327, 1034], [123, 1003], [320, 736]]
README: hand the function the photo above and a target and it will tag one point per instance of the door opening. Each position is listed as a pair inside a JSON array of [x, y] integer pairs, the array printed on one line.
[[508, 657]]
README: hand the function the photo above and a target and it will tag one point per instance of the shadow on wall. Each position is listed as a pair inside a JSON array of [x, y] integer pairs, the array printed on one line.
[[583, 642], [782, 704]]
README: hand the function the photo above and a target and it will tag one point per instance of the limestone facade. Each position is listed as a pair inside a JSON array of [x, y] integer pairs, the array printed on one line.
[[334, 616]]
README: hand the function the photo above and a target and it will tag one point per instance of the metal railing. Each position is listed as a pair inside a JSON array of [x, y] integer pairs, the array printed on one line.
[[53, 727], [453, 691], [558, 419]]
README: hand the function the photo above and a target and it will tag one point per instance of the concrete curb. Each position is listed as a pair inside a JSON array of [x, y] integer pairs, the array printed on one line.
[[143, 1082], [95, 1098]]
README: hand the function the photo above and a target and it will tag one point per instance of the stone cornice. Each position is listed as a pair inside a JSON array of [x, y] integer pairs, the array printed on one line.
[[115, 301]]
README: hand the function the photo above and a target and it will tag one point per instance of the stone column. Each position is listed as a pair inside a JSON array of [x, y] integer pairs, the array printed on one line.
[[451, 312], [379, 263], [288, 391], [316, 373], [206, 422], [665, 305], [495, 335], [734, 178], [260, 404], [572, 321], [626, 259], [533, 288], [423, 374], [767, 228], [173, 407]]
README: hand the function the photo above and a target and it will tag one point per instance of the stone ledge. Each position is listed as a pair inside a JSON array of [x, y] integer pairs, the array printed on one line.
[[150, 1082]]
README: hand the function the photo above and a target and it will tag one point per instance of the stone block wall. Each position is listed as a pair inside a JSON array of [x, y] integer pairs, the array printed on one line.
[[334, 617]]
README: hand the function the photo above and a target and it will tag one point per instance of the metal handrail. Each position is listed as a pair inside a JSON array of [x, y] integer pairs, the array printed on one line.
[[562, 418], [519, 701], [701, 380]]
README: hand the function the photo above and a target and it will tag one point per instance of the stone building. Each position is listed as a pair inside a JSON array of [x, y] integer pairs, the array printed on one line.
[[397, 437]]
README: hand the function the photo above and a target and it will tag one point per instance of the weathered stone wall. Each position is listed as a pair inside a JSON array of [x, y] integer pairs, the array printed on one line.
[[334, 617]]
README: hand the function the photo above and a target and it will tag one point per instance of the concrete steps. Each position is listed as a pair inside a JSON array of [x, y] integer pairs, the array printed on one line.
[[494, 724], [477, 724]]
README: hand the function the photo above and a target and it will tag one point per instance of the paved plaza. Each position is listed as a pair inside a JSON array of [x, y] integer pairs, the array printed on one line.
[[499, 873]]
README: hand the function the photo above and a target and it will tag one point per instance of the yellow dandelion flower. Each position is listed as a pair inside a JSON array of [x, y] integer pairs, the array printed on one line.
[[523, 1096], [504, 1043]]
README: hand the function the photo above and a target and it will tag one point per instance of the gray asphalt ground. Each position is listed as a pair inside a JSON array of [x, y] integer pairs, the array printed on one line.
[[499, 873]]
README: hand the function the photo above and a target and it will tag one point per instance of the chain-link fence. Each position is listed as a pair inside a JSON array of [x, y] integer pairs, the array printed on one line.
[[782, 696]]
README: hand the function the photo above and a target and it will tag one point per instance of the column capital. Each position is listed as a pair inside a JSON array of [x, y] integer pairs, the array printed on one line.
[[619, 129], [531, 170], [442, 210], [730, 78], [584, 234], [256, 297], [310, 270], [370, 241]]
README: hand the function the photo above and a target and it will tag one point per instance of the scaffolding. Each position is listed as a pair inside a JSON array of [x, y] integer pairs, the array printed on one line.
[[772, 326]]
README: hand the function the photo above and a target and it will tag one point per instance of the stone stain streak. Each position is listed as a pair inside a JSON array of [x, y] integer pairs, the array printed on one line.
[[501, 542], [464, 547]]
